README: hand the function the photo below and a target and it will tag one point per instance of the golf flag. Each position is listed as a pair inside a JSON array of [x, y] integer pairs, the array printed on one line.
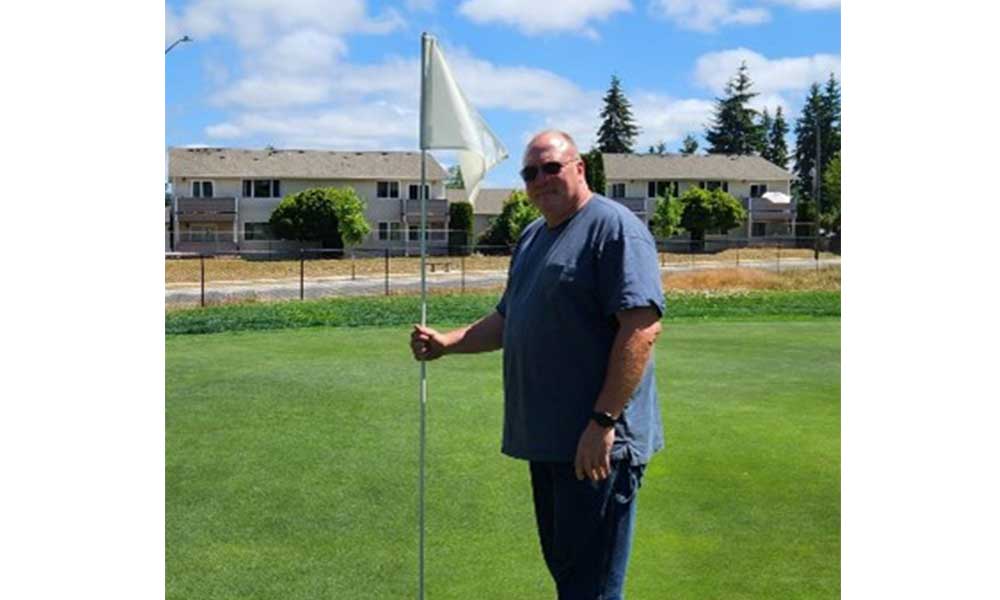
[[449, 122]]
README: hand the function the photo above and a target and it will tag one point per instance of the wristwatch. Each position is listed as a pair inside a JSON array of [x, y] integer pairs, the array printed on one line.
[[603, 419]]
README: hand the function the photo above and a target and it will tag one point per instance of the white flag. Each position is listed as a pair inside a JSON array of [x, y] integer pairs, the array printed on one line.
[[449, 122]]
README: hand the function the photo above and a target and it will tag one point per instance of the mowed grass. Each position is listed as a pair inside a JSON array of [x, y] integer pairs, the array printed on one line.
[[292, 468]]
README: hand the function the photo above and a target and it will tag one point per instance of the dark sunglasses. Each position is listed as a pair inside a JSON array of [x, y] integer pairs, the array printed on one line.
[[528, 174]]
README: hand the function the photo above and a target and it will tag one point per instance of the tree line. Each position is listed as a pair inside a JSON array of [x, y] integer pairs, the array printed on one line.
[[734, 129]]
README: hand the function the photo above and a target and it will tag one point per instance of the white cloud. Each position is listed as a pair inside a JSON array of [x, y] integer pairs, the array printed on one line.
[[713, 70], [533, 18], [379, 125], [256, 23], [707, 15], [421, 5], [259, 91], [808, 4], [667, 119], [303, 51]]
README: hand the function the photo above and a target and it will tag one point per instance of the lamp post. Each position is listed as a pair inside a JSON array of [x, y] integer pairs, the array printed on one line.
[[173, 202], [183, 39]]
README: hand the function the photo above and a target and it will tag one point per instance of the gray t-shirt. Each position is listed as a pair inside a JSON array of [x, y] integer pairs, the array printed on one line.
[[563, 290]]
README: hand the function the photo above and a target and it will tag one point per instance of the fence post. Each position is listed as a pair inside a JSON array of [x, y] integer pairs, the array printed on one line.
[[463, 273], [302, 274], [352, 266], [386, 271], [202, 257], [737, 258], [779, 258]]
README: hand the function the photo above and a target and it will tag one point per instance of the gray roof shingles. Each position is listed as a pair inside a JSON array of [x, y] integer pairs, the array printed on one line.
[[300, 164], [701, 167]]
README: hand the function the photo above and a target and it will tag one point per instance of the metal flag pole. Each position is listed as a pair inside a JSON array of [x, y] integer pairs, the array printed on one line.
[[424, 41]]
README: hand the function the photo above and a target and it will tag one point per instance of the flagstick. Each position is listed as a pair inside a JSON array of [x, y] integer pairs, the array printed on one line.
[[423, 302]]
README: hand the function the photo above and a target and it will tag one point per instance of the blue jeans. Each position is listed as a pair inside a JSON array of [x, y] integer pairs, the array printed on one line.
[[585, 527]]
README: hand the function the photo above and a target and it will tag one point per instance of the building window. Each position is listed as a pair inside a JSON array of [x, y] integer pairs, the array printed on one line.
[[661, 189], [261, 188], [415, 191], [387, 189], [257, 231], [757, 190], [617, 190], [202, 189], [390, 230], [759, 230], [714, 185]]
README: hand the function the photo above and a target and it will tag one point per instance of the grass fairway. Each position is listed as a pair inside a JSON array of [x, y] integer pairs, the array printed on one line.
[[292, 469]]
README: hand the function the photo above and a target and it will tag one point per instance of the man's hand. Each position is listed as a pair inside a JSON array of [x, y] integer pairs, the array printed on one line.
[[593, 452], [426, 343]]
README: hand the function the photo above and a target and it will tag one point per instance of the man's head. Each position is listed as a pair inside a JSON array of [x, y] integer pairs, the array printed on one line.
[[553, 174]]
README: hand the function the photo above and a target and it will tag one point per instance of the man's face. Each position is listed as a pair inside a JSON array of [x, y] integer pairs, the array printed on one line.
[[553, 193]]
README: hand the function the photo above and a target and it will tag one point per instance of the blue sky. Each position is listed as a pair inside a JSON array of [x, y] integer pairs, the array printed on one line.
[[344, 74]]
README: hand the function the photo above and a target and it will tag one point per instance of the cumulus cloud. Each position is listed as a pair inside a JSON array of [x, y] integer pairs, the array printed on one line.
[[533, 18], [256, 23], [668, 119], [380, 125], [808, 4], [707, 15], [713, 70]]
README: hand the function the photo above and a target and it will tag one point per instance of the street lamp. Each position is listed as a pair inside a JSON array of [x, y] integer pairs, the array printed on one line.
[[183, 39]]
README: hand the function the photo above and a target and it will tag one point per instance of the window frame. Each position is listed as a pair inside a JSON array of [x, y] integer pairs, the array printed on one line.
[[623, 188], [199, 185], [389, 188]]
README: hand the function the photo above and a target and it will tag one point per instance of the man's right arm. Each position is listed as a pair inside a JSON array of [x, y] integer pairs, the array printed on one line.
[[485, 335]]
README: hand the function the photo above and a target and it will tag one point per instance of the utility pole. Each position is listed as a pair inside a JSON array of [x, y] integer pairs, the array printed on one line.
[[816, 172]]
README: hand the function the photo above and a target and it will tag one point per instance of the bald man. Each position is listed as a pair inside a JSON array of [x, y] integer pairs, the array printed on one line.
[[577, 323]]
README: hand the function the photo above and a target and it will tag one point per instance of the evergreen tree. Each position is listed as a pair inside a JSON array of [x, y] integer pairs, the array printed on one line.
[[806, 126], [455, 179], [689, 145], [830, 144], [766, 124], [660, 148], [820, 116], [593, 170], [777, 147], [618, 129], [733, 129]]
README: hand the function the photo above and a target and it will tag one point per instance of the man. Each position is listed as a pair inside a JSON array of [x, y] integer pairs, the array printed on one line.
[[577, 323]]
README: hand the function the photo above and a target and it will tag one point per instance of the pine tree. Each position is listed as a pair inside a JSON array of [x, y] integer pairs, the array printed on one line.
[[777, 147], [820, 116], [618, 129], [806, 126], [830, 144], [689, 145], [660, 148], [733, 129], [766, 124]]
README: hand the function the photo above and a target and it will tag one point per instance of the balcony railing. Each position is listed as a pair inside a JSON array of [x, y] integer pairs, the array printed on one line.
[[763, 210], [636, 205], [220, 205], [436, 207]]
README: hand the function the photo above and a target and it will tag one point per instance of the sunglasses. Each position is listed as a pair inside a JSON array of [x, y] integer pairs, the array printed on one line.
[[528, 174]]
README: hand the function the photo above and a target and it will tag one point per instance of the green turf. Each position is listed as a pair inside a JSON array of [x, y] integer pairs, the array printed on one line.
[[292, 469], [464, 308]]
